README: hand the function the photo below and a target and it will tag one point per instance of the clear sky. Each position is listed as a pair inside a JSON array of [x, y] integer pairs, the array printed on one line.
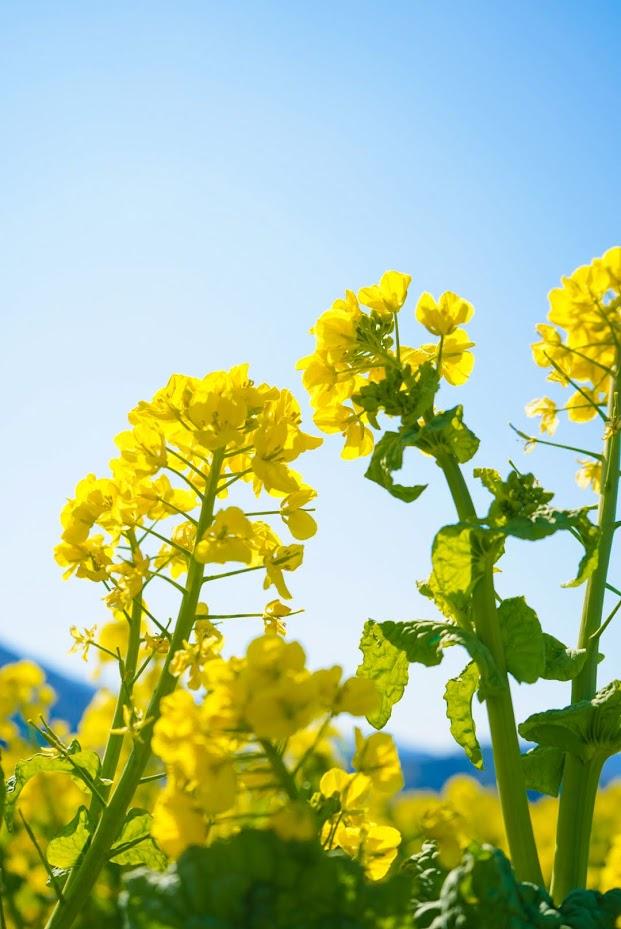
[[186, 186]]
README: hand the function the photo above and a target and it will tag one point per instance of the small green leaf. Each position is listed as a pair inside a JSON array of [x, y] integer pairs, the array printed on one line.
[[543, 769], [522, 639], [588, 729], [135, 845], [460, 556], [81, 760], [562, 663], [387, 665], [520, 509], [64, 850], [458, 695], [445, 432], [388, 457]]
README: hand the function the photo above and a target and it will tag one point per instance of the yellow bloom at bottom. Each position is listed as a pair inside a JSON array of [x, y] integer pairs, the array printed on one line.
[[177, 823]]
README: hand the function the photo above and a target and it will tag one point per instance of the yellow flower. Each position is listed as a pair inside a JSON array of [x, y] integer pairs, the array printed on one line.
[[343, 419], [546, 408], [335, 330], [590, 475], [582, 407], [229, 538], [282, 558], [177, 822], [82, 640], [442, 318], [389, 295], [273, 617], [301, 524], [377, 757], [456, 361]]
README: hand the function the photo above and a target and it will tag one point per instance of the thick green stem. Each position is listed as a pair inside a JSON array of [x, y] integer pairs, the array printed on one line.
[[509, 774], [577, 793], [83, 878]]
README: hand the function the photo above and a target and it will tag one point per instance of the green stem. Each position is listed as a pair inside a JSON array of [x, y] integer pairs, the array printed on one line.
[[577, 794], [115, 739], [280, 769], [84, 877], [509, 773]]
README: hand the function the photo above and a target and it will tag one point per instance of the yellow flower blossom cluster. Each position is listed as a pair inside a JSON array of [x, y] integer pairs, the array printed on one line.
[[580, 346], [24, 694], [256, 432], [354, 348], [241, 754]]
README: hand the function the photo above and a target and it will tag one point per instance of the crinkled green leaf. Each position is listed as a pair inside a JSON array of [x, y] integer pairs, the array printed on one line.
[[543, 769], [586, 729], [388, 457], [427, 873], [482, 892], [458, 695], [423, 642], [81, 761], [64, 850], [522, 639], [460, 556], [387, 665], [135, 845], [562, 663], [255, 880], [444, 433], [520, 509]]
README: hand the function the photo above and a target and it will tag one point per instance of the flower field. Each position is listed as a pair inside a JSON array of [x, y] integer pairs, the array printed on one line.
[[210, 789]]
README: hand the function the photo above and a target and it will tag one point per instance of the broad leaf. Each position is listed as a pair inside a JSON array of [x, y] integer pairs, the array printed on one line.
[[388, 457], [588, 729], [255, 880], [482, 892], [543, 769], [523, 641], [444, 433], [64, 850], [458, 695], [79, 761], [460, 556], [135, 844], [387, 665], [562, 663]]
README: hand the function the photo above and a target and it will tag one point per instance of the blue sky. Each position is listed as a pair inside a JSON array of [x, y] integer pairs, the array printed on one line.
[[186, 186]]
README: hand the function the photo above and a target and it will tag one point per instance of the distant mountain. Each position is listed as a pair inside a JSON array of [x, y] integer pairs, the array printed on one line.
[[421, 770]]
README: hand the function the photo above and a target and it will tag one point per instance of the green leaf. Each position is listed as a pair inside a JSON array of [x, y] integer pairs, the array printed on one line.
[[387, 665], [543, 769], [135, 845], [520, 509], [562, 663], [85, 761], [64, 850], [255, 880], [460, 556], [522, 640], [388, 457], [482, 892], [458, 695], [444, 433], [588, 729]]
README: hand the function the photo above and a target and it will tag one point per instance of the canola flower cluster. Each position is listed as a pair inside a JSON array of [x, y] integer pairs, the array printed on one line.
[[354, 348], [580, 346], [242, 754]]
